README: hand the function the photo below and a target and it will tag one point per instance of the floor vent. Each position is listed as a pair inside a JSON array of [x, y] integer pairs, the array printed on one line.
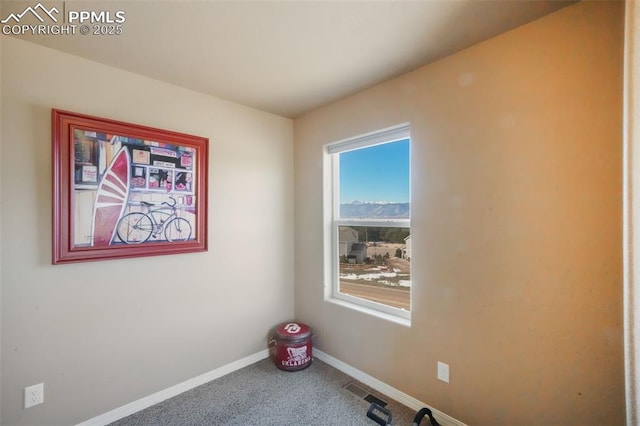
[[364, 394], [373, 398]]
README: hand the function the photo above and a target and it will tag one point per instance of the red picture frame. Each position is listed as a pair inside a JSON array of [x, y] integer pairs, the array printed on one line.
[[124, 190]]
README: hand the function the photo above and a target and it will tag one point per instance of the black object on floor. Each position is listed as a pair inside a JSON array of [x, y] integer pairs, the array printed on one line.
[[374, 399], [420, 415], [379, 414], [382, 416]]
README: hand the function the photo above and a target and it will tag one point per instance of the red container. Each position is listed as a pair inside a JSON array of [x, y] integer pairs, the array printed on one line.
[[291, 346]]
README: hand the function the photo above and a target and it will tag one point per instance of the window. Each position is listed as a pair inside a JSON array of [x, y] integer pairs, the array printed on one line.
[[368, 214]]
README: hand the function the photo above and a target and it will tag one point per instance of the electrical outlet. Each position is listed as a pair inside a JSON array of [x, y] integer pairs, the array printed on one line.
[[33, 395], [443, 372]]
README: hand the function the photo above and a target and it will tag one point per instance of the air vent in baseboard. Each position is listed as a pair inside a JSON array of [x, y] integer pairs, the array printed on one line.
[[360, 392]]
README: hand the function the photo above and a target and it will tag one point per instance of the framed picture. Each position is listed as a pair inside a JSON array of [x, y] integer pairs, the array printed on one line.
[[124, 190]]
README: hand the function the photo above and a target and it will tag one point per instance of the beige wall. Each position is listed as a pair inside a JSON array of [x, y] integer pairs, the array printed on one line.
[[516, 228], [103, 334], [632, 210], [1, 49]]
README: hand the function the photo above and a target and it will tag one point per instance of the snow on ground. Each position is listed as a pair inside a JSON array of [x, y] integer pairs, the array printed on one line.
[[378, 277], [369, 277]]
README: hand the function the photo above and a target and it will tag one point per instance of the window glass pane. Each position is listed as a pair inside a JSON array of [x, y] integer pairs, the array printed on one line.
[[374, 182], [375, 264]]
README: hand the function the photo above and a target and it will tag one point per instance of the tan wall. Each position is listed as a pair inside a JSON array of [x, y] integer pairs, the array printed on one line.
[[516, 228], [632, 210], [103, 334]]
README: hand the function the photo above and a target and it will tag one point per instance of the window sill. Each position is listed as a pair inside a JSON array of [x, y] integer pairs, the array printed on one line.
[[373, 312]]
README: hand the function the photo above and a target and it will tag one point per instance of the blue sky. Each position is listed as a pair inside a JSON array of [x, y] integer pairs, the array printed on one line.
[[377, 173]]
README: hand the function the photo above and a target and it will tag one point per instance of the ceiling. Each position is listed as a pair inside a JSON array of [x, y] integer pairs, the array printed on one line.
[[286, 57]]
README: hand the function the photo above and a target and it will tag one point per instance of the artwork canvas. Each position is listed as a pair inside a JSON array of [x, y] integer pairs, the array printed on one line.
[[123, 190]]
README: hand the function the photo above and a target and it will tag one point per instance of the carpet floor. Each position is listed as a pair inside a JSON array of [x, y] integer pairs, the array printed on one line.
[[261, 394]]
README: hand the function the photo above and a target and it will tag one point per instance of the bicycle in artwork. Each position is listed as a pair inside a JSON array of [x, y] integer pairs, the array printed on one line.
[[157, 222]]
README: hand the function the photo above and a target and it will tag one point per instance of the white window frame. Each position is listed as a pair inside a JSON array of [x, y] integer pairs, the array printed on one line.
[[332, 222]]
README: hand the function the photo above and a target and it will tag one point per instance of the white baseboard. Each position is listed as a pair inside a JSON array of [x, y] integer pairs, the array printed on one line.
[[391, 392], [148, 401]]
